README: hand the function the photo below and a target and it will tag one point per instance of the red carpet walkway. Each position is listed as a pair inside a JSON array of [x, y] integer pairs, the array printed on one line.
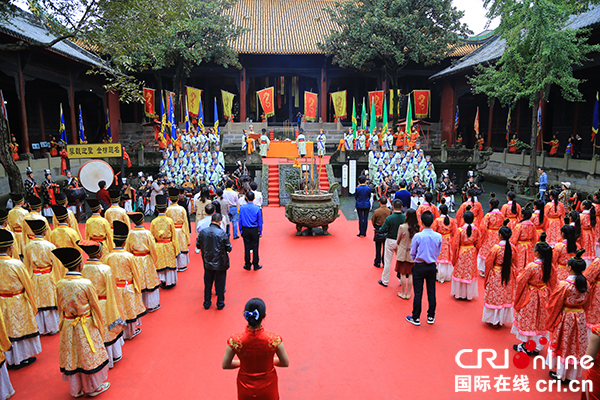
[[346, 335]]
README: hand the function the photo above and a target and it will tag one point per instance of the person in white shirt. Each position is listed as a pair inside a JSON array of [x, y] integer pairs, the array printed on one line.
[[232, 198], [258, 197], [209, 210]]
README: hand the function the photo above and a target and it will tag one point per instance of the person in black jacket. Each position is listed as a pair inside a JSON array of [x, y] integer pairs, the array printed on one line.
[[215, 246]]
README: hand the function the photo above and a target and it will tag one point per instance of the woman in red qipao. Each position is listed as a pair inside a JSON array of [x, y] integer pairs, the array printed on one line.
[[491, 222], [464, 277], [445, 226], [566, 322], [499, 281], [555, 212], [512, 210], [588, 225], [539, 218], [258, 352], [564, 250], [534, 286], [523, 239]]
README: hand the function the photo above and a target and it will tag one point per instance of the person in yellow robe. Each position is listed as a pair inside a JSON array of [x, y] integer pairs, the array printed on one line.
[[122, 264], [98, 229], [116, 212], [61, 199], [35, 203], [63, 235], [45, 270], [6, 388], [140, 243], [15, 219], [82, 356], [179, 216], [4, 225], [105, 283], [167, 244], [18, 307]]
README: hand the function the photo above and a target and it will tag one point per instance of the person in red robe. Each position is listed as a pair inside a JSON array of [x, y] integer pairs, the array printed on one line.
[[259, 352], [566, 321], [512, 145], [126, 158], [555, 212], [64, 161], [499, 281], [591, 391]]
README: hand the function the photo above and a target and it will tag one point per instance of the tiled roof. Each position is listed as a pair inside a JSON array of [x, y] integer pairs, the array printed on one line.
[[27, 27], [282, 26], [493, 49]]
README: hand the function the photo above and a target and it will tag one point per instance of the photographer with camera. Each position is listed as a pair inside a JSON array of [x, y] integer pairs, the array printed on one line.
[[157, 188]]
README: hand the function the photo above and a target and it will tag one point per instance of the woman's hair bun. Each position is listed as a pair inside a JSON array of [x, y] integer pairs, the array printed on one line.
[[492, 194], [468, 208], [443, 200], [538, 196], [543, 237], [505, 222], [567, 220], [579, 253]]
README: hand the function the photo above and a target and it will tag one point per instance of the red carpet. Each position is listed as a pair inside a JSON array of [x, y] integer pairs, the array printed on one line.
[[346, 335]]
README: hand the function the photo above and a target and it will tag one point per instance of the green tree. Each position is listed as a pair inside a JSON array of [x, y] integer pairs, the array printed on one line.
[[390, 33], [157, 35], [541, 50]]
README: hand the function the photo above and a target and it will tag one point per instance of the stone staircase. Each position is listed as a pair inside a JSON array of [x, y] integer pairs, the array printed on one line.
[[273, 185]]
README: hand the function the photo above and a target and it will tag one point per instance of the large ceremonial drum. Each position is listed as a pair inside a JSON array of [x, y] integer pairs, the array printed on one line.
[[93, 172]]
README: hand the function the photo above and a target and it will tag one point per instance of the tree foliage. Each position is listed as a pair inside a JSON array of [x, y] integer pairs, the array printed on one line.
[[390, 33], [156, 35], [65, 19], [541, 50]]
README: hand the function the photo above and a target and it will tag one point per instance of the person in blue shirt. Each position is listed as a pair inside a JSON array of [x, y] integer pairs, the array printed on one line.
[[403, 195], [424, 250], [363, 205], [251, 224], [542, 184]]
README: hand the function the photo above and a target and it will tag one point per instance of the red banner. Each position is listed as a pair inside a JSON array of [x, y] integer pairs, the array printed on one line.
[[266, 101], [310, 106], [377, 96], [149, 102], [422, 102]]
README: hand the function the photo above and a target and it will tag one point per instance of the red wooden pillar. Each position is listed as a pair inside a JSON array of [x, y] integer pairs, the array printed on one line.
[[114, 112], [74, 136], [447, 113], [23, 109], [42, 126], [243, 95], [490, 124], [323, 95]]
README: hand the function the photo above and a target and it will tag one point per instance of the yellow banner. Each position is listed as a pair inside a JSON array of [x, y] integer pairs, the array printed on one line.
[[193, 95], [94, 150], [227, 103], [339, 104]]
